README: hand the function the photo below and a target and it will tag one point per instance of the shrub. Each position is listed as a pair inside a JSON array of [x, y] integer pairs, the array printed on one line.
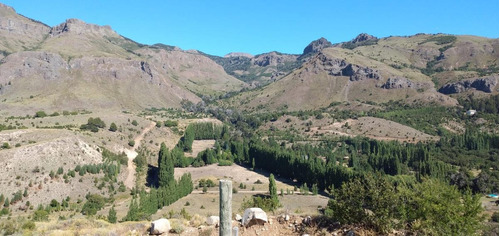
[[431, 207], [494, 217], [134, 123], [29, 225], [171, 123], [93, 124], [131, 143], [112, 215], [94, 203], [40, 114], [41, 215], [265, 203], [113, 127]]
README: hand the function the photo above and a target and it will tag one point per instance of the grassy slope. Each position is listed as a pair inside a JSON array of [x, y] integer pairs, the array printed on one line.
[[308, 88]]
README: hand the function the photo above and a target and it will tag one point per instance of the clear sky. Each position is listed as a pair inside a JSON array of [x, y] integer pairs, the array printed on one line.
[[221, 26]]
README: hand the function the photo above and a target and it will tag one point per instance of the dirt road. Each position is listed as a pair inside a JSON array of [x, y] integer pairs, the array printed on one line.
[[131, 154]]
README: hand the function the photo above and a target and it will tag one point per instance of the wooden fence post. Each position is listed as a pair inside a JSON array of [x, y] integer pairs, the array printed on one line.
[[225, 212]]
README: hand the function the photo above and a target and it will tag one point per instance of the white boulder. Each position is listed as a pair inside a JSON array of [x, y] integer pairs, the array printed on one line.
[[213, 220], [160, 226], [254, 216]]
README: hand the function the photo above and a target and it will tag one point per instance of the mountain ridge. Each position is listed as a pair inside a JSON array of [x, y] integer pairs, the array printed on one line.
[[411, 69]]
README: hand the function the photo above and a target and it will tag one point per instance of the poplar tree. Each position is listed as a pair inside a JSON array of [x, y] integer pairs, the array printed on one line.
[[273, 191], [165, 167]]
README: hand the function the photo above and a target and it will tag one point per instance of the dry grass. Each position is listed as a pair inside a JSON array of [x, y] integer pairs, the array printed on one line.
[[199, 146], [371, 127]]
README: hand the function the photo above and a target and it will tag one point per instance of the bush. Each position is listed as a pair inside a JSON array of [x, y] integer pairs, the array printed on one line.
[[494, 217], [41, 215], [113, 127], [171, 123], [265, 203], [112, 215], [131, 143], [94, 203], [431, 207], [29, 225], [225, 162], [40, 114], [93, 124]]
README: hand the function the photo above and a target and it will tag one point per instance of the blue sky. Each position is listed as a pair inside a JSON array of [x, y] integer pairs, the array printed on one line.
[[221, 26]]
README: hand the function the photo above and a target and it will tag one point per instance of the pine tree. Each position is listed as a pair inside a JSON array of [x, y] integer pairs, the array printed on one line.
[[112, 215]]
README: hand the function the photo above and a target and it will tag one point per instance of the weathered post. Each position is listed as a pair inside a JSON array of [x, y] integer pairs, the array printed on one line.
[[225, 212]]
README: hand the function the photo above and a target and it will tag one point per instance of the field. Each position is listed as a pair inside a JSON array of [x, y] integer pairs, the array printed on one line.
[[372, 127]]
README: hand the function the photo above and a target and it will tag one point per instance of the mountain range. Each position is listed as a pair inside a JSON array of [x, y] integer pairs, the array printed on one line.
[[76, 65]]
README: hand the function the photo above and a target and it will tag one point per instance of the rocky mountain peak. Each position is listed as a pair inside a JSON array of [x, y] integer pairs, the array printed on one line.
[[272, 59], [5, 8], [238, 54], [363, 37], [77, 26], [317, 45]]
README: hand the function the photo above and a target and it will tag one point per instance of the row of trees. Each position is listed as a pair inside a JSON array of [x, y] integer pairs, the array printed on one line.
[[201, 131], [167, 191]]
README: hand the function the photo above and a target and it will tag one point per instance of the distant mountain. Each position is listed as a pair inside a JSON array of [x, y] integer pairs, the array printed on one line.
[[76, 65], [370, 70]]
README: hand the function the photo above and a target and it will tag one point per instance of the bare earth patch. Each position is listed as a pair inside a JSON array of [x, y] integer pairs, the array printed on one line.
[[199, 146], [375, 128]]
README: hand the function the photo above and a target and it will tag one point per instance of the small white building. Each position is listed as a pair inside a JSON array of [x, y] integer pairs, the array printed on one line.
[[471, 112]]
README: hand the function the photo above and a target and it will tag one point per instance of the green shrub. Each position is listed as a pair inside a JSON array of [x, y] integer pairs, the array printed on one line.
[[94, 203], [131, 143], [29, 225], [40, 114], [112, 215], [93, 124], [265, 203], [41, 215], [171, 123], [494, 217], [113, 127]]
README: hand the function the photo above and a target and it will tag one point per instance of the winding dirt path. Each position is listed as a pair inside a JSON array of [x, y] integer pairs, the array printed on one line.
[[131, 154]]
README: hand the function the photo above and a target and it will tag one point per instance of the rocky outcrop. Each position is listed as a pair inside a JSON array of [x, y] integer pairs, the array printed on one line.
[[146, 69], [79, 27], [485, 84], [363, 37], [401, 83], [44, 65], [316, 46], [340, 67], [272, 59]]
